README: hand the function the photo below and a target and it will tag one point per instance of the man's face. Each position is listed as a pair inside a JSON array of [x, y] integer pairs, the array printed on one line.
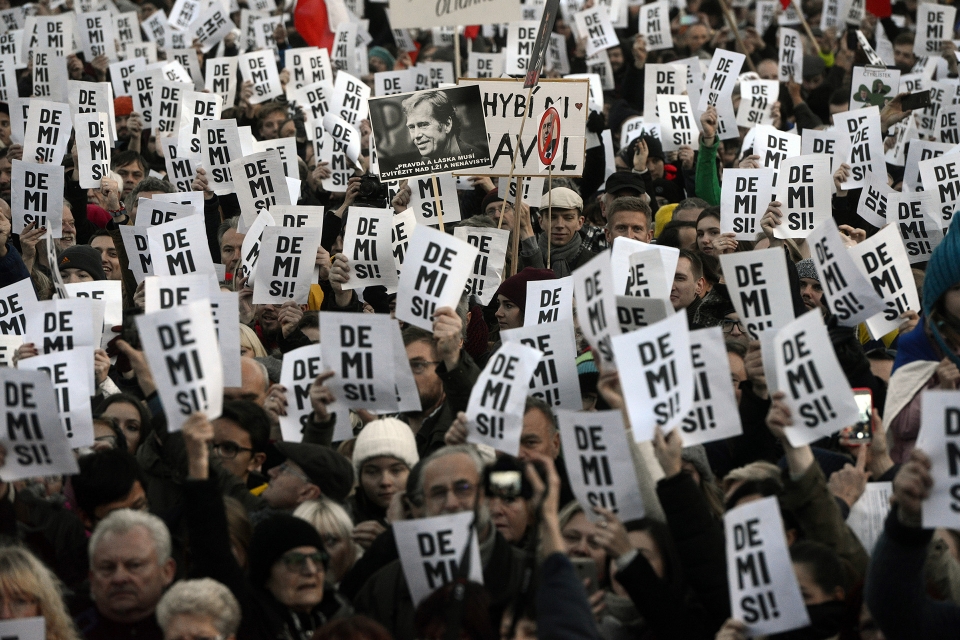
[[6, 173], [68, 236], [812, 82], [811, 292], [510, 516], [5, 128], [708, 230], [686, 287], [697, 36], [423, 362], [538, 436], [655, 167], [903, 57], [108, 256], [565, 224], [267, 317], [768, 70], [450, 485], [122, 132], [428, 133], [270, 128], [493, 210], [287, 486], [126, 577], [616, 58], [509, 315], [132, 175], [136, 499], [253, 384], [229, 436], [629, 224], [72, 276], [230, 249]]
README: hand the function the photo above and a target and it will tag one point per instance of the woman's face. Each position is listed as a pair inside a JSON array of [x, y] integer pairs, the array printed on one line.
[[128, 418], [812, 592], [951, 302], [510, 517], [14, 606], [382, 477], [578, 537], [643, 542], [296, 579], [342, 554]]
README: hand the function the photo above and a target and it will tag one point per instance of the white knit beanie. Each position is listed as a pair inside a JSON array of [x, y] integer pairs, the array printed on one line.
[[385, 437]]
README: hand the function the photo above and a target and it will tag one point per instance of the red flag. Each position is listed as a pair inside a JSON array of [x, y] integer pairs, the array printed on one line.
[[471, 33], [784, 4], [311, 22], [879, 8]]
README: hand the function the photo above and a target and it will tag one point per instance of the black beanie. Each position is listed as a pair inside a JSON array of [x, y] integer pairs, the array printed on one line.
[[85, 258], [274, 537]]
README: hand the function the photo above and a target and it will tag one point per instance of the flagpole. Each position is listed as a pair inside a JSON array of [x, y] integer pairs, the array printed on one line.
[[731, 20], [436, 201], [457, 68], [517, 200], [806, 25]]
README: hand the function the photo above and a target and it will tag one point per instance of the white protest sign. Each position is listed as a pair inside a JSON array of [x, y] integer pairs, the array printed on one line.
[[442, 264], [847, 293], [35, 442], [299, 369], [47, 132], [634, 312], [166, 115], [166, 292], [935, 23], [917, 218], [184, 13], [250, 249], [18, 303], [549, 301], [212, 26], [658, 358], [532, 192], [36, 195], [111, 292], [221, 78], [432, 550], [759, 288], [833, 144], [865, 154], [721, 78], [594, 291], [367, 245], [941, 175], [625, 267], [136, 244], [181, 348], [495, 410], [308, 65], [873, 86], [647, 276], [715, 414], [259, 182], [599, 464], [868, 514], [805, 194], [555, 380], [24, 629], [97, 34], [219, 146], [756, 102], [744, 197], [69, 373], [488, 266], [196, 107], [485, 65], [938, 438], [816, 390], [49, 79], [654, 25], [678, 123], [180, 247], [260, 68], [285, 267], [314, 99], [402, 225], [141, 86], [353, 346], [874, 204], [350, 98], [61, 325], [948, 125], [388, 83], [8, 349], [424, 199], [764, 593], [343, 56], [152, 211], [93, 148], [594, 24], [519, 50], [882, 259], [659, 79], [918, 151], [8, 77], [773, 146], [790, 66], [181, 169]]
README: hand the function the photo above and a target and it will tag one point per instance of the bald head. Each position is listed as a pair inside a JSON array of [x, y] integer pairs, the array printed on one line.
[[254, 382]]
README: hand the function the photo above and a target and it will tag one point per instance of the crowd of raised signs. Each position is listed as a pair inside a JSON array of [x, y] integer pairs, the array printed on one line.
[[329, 321]]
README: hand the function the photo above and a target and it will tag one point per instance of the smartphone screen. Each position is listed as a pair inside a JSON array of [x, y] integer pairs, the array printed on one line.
[[862, 430]]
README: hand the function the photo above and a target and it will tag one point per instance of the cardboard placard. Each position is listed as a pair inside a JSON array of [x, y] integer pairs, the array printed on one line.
[[595, 293], [61, 325], [834, 144], [594, 25], [308, 65], [759, 289], [196, 107], [817, 392], [659, 79], [555, 380], [658, 357], [743, 200], [180, 345], [495, 411], [49, 78], [353, 346], [805, 194], [368, 246], [484, 65], [599, 463], [442, 266], [35, 443], [764, 593], [847, 293], [624, 265], [553, 300]]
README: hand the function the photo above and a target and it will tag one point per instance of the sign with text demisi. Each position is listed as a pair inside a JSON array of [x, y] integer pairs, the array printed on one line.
[[181, 348], [715, 414], [555, 380], [35, 442], [368, 246], [939, 438], [353, 345], [759, 289], [805, 195], [743, 200], [438, 266], [658, 358], [883, 260], [491, 245], [495, 410], [285, 266], [597, 307], [764, 592], [69, 373], [599, 463], [36, 195]]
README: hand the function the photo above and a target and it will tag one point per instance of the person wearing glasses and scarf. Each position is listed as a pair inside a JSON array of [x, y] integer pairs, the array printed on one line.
[[285, 595]]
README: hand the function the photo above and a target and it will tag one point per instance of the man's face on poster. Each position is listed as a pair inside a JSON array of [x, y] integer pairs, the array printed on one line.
[[429, 134]]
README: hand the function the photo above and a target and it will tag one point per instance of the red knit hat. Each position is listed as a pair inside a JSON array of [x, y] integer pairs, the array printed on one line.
[[514, 288], [123, 106]]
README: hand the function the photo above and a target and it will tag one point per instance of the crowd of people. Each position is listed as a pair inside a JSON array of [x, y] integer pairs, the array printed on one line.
[[225, 530]]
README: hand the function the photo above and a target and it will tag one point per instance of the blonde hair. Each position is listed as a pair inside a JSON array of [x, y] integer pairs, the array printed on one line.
[[328, 517], [755, 471], [21, 573], [249, 339]]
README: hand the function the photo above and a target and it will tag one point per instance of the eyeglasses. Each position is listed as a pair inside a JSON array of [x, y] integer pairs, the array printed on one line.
[[296, 561], [228, 450], [727, 325], [419, 366], [286, 468], [462, 491]]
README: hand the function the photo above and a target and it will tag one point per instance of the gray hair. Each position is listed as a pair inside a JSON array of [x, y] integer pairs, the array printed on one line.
[[226, 225], [204, 597], [147, 184], [123, 520], [415, 487], [533, 402]]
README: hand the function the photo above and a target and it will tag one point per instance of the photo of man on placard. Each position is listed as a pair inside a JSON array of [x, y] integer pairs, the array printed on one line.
[[429, 132]]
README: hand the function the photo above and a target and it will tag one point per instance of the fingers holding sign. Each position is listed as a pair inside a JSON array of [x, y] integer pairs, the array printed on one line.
[[772, 218], [912, 486], [457, 433], [321, 397]]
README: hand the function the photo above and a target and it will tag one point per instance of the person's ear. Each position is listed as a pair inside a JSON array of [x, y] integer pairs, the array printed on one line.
[[608, 235], [310, 491], [580, 222], [256, 461], [168, 571], [701, 285]]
